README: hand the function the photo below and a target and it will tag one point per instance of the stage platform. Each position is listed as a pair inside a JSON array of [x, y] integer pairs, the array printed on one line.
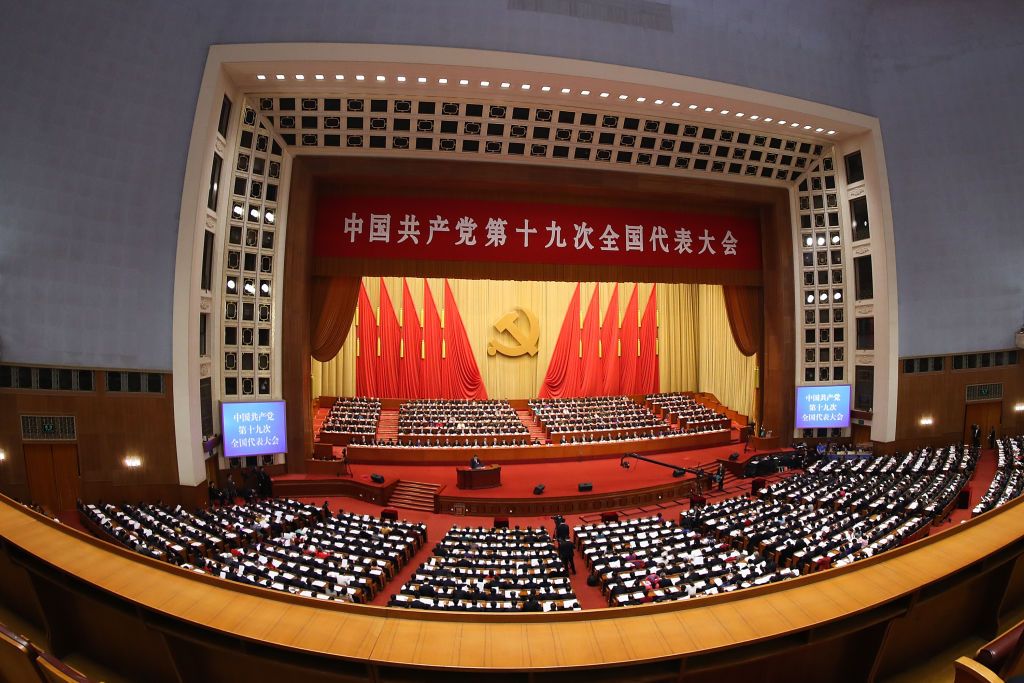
[[613, 487]]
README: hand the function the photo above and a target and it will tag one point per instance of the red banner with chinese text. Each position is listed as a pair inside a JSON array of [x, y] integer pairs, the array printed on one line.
[[474, 230]]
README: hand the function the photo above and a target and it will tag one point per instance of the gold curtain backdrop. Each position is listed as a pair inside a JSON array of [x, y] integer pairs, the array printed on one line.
[[695, 345]]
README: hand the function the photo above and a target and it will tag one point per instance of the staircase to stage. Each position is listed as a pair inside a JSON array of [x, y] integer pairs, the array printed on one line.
[[387, 426], [415, 495], [530, 422]]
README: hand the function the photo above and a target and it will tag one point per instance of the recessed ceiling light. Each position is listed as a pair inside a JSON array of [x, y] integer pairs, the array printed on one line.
[[400, 79], [584, 92], [381, 78], [566, 91], [261, 77], [463, 81], [818, 130], [623, 97], [641, 99], [754, 117], [546, 88], [339, 77], [360, 77], [692, 106], [675, 104], [443, 81], [781, 122], [604, 94], [421, 79], [768, 119], [724, 111], [809, 241], [506, 85], [739, 114], [794, 125], [525, 86], [659, 101], [709, 109], [831, 132], [835, 239], [319, 77], [300, 77], [485, 84], [807, 127], [279, 77], [821, 241]]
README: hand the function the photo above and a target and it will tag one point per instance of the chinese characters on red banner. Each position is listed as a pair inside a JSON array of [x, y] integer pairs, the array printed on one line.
[[471, 230]]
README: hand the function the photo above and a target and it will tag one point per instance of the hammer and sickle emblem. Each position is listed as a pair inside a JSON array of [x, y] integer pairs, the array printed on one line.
[[527, 338]]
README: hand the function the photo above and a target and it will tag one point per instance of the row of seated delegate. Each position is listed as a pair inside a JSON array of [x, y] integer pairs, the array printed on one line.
[[439, 442], [178, 536], [353, 415], [684, 411], [593, 414], [842, 510], [347, 558], [278, 544], [458, 418], [1008, 482], [655, 560], [493, 570]]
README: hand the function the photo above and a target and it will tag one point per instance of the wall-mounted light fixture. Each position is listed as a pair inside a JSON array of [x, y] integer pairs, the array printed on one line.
[[132, 461], [1019, 408], [926, 421], [3, 455]]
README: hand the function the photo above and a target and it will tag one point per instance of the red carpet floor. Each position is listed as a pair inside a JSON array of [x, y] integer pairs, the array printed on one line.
[[559, 478]]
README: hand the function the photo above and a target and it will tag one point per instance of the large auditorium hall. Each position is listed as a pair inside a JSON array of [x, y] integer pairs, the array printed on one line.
[[512, 340]]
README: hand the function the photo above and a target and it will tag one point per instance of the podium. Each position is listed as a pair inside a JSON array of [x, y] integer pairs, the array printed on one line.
[[485, 477]]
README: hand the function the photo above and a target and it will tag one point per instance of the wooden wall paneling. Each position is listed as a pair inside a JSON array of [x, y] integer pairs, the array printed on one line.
[[778, 369], [296, 302], [987, 415], [39, 470], [1013, 596], [942, 395], [66, 474]]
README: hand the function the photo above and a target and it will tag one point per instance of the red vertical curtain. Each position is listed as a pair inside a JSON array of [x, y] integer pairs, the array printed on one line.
[[610, 345], [591, 370], [332, 307], [434, 384], [366, 362], [390, 345], [744, 308], [462, 371], [629, 343], [410, 370], [647, 375], [563, 376]]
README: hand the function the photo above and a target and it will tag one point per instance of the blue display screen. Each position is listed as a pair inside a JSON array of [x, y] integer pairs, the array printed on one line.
[[824, 406], [253, 428]]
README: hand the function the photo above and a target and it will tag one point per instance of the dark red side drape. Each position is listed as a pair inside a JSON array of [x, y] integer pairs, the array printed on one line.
[[563, 377], [390, 345], [744, 308], [647, 375], [463, 373], [434, 384], [610, 345], [366, 362], [629, 336], [410, 370], [332, 307], [591, 369]]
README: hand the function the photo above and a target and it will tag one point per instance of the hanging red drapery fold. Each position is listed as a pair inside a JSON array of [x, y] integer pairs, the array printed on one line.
[[744, 308], [629, 343], [460, 364], [332, 306], [390, 345], [410, 370], [366, 360], [434, 384], [610, 345], [647, 379], [591, 369], [563, 377]]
